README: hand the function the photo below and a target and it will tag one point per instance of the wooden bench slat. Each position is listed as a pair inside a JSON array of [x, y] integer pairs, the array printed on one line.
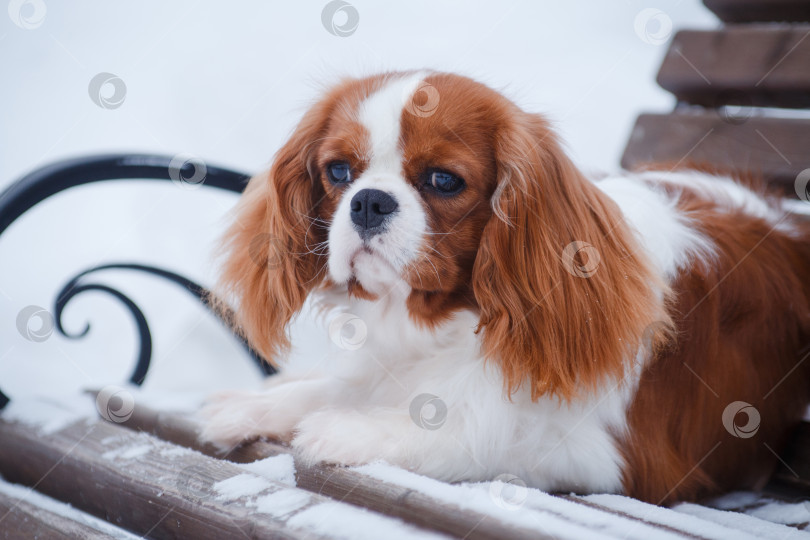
[[22, 520], [152, 487], [744, 11], [776, 148], [756, 65], [338, 483], [353, 486]]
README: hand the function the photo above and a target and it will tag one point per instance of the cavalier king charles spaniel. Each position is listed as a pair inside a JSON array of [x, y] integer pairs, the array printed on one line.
[[642, 333]]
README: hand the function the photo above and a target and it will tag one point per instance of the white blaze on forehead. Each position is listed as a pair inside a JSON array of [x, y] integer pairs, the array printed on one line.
[[380, 114], [378, 264]]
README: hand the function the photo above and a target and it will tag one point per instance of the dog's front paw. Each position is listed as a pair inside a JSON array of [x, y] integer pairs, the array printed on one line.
[[230, 418], [344, 438]]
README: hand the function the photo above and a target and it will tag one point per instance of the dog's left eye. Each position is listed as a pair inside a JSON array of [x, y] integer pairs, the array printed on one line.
[[445, 182], [339, 172]]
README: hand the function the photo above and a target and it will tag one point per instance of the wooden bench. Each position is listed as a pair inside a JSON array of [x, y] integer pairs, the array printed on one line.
[[718, 78], [150, 475], [69, 473]]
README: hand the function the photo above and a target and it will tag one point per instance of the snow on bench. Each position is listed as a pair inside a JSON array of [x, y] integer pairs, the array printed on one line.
[[161, 490], [480, 510], [24, 513], [150, 475]]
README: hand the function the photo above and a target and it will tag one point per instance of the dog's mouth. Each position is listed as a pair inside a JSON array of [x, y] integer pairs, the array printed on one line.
[[365, 256], [372, 269]]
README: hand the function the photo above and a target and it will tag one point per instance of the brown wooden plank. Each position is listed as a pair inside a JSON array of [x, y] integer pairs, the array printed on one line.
[[22, 520], [354, 487], [746, 11], [130, 479], [748, 65], [776, 148], [339, 483]]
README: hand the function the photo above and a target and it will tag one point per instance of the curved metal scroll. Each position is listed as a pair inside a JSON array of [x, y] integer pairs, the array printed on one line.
[[75, 286], [44, 182]]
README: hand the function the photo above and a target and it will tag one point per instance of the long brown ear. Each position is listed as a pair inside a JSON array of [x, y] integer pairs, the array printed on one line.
[[564, 297], [271, 260]]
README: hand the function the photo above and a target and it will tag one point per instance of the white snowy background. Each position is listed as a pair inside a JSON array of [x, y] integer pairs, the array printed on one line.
[[227, 81]]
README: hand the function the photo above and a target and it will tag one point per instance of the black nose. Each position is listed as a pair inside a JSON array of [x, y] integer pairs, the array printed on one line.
[[369, 208]]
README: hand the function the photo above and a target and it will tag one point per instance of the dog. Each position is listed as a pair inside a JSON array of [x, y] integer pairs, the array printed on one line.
[[643, 333]]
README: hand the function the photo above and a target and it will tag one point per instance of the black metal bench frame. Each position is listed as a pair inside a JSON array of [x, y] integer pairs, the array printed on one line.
[[54, 178]]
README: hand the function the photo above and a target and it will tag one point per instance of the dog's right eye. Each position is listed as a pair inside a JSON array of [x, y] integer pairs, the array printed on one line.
[[339, 172]]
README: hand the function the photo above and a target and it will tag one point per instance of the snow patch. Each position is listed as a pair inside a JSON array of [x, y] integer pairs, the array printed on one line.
[[128, 452], [283, 502], [782, 512], [280, 468], [241, 485], [338, 520], [751, 525], [664, 516], [175, 451], [538, 512], [766, 508]]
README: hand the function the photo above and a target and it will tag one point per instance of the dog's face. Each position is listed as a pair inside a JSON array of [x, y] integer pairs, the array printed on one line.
[[435, 190], [407, 180]]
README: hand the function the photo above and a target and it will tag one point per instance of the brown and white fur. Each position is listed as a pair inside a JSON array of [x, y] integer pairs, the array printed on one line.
[[583, 335]]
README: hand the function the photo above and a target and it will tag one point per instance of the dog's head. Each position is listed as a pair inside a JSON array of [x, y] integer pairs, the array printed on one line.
[[435, 190]]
